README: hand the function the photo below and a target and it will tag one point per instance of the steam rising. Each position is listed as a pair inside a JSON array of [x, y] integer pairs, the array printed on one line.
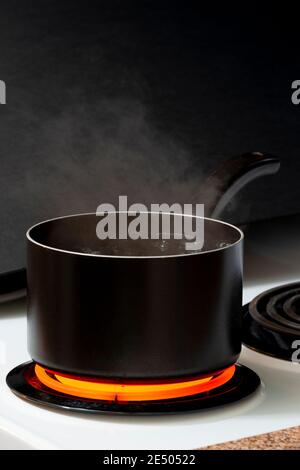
[[87, 154], [92, 153]]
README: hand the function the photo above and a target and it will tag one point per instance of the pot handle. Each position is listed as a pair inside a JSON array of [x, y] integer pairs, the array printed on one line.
[[231, 176]]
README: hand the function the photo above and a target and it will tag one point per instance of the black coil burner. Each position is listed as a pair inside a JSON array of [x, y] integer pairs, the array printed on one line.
[[271, 322], [24, 382]]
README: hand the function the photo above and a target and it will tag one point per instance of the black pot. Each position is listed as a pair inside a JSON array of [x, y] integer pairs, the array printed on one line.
[[133, 311], [127, 309]]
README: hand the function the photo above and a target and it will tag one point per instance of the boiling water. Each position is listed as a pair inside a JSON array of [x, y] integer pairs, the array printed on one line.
[[141, 248]]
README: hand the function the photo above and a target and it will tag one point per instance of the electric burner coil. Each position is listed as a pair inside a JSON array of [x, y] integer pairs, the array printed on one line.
[[271, 322], [34, 383]]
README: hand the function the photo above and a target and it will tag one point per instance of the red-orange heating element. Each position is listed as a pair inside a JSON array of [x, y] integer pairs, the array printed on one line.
[[126, 392]]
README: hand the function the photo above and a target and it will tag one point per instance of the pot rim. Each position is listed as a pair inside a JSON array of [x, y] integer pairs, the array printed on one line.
[[94, 255]]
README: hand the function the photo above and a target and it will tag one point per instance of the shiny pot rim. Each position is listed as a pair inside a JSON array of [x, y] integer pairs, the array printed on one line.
[[234, 228]]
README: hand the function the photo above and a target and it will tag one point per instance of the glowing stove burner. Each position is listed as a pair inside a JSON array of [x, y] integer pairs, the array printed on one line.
[[34, 383], [127, 392]]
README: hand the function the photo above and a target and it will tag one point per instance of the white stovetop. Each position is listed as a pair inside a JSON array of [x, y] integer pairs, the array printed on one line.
[[275, 406]]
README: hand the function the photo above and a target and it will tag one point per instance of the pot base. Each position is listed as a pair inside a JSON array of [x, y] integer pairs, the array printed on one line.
[[24, 382]]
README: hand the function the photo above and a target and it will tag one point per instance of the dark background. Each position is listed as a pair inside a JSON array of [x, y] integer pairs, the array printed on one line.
[[141, 98]]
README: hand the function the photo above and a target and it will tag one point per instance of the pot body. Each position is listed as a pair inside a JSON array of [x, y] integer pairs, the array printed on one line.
[[134, 317]]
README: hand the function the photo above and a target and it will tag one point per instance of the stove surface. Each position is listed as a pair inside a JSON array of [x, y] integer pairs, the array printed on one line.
[[275, 406]]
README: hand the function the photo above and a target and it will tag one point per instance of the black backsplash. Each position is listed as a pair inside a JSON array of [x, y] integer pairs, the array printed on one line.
[[142, 98]]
